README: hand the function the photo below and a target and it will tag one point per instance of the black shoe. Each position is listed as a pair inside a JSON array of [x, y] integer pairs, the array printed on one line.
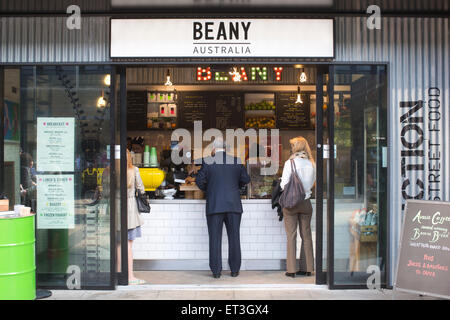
[[292, 275], [234, 274], [303, 273], [216, 276]]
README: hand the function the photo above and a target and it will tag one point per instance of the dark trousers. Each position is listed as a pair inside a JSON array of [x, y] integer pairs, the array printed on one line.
[[215, 225]]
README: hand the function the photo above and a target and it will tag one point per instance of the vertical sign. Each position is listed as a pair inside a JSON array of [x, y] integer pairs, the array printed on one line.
[[55, 144], [55, 201], [424, 261]]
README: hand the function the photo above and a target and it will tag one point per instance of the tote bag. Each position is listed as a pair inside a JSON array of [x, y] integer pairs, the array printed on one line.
[[293, 192]]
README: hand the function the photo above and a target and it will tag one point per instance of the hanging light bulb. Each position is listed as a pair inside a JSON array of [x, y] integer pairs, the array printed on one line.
[[302, 75], [299, 98], [101, 102], [107, 80], [168, 82]]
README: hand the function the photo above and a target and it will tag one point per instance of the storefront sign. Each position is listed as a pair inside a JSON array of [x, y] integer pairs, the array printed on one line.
[[238, 74], [296, 38], [55, 201], [425, 249], [421, 153], [55, 144]]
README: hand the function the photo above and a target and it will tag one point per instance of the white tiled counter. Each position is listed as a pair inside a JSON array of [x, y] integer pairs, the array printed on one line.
[[175, 237]]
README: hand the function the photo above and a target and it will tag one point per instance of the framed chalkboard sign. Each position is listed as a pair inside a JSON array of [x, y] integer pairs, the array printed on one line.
[[194, 106], [221, 110], [228, 110], [291, 115], [424, 261], [137, 110]]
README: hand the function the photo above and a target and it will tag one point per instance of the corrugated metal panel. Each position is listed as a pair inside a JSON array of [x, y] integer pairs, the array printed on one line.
[[394, 5], [417, 50], [47, 39], [53, 6]]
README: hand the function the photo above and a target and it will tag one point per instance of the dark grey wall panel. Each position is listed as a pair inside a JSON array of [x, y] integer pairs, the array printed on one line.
[[47, 39]]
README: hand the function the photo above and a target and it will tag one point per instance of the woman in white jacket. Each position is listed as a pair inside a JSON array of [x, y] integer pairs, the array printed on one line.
[[299, 216]]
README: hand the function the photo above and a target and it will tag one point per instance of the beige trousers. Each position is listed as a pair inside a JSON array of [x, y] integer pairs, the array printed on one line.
[[299, 216]]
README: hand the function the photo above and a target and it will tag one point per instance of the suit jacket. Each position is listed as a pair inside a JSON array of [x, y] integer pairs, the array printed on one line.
[[221, 182]]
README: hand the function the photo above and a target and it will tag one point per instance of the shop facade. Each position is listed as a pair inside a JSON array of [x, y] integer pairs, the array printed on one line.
[[395, 76]]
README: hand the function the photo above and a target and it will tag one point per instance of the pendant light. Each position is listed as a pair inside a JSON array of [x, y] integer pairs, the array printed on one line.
[[168, 82], [107, 80], [299, 98], [302, 79], [101, 102], [302, 75]]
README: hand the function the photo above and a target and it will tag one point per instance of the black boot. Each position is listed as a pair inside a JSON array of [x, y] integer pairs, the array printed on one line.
[[292, 275]]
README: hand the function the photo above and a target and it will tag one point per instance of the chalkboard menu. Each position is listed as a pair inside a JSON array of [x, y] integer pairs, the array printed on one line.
[[228, 110], [194, 106], [219, 110], [137, 110], [291, 115], [424, 260]]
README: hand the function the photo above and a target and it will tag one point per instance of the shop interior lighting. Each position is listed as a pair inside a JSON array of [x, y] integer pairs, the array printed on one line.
[[262, 72], [204, 74], [219, 77], [278, 71], [107, 80], [303, 78], [101, 102], [168, 82], [299, 98], [236, 75], [244, 74]]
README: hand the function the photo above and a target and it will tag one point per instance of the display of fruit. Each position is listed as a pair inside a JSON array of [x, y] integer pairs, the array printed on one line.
[[260, 122], [263, 105]]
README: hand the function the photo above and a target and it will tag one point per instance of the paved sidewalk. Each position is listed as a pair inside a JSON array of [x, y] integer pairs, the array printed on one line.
[[250, 285]]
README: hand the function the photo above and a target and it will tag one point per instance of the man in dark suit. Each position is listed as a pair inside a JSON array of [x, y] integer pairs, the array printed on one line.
[[221, 177]]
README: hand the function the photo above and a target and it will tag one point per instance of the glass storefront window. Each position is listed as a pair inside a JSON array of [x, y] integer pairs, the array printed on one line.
[[64, 144]]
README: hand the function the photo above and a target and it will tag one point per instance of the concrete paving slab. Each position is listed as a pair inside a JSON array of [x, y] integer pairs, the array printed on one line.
[[250, 285]]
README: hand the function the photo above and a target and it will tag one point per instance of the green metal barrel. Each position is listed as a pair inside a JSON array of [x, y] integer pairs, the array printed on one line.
[[17, 259]]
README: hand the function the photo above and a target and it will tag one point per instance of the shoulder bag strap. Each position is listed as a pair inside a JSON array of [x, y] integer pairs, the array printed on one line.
[[294, 169]]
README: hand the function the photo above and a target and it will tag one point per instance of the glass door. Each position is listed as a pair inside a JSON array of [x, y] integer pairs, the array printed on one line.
[[357, 176], [56, 136], [322, 77]]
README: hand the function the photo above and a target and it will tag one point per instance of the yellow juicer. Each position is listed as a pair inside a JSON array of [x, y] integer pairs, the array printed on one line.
[[152, 178]]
